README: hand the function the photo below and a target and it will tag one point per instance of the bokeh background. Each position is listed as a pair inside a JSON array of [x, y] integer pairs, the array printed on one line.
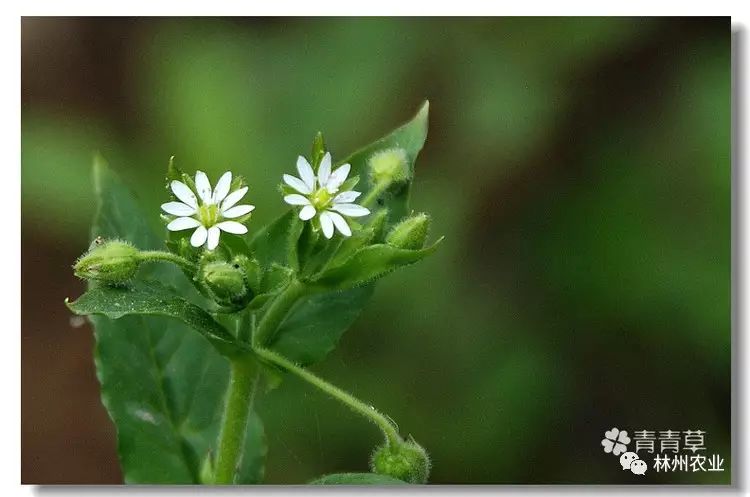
[[579, 168]]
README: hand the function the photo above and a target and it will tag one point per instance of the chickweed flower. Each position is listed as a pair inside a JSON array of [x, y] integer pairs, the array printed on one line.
[[207, 210], [319, 196]]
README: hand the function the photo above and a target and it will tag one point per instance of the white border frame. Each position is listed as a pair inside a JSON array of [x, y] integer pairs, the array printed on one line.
[[10, 464]]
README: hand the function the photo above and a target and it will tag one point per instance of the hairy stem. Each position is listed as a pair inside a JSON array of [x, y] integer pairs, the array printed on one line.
[[366, 410], [276, 313], [240, 392], [373, 194], [158, 255]]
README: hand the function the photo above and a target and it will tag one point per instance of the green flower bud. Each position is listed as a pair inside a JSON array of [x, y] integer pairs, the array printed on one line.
[[113, 261], [226, 283], [318, 150], [389, 166], [406, 461], [411, 233]]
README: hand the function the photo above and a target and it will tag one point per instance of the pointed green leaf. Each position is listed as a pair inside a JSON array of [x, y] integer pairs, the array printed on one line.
[[152, 298], [271, 244], [369, 264], [316, 324]]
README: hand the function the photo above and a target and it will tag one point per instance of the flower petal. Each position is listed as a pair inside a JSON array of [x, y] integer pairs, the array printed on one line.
[[297, 184], [307, 212], [237, 211], [326, 223], [346, 197], [338, 177], [306, 172], [222, 187], [203, 186], [296, 199], [324, 171], [199, 237], [233, 198], [351, 210], [213, 237], [232, 227], [178, 209], [183, 223], [184, 193], [340, 223]]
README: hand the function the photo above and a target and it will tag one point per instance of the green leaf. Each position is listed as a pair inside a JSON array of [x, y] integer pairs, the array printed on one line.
[[275, 278], [369, 264], [163, 387], [116, 206], [271, 244], [357, 479], [316, 324], [152, 298], [410, 137], [161, 382]]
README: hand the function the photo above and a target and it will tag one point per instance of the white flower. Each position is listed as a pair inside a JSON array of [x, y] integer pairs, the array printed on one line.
[[207, 211], [320, 195]]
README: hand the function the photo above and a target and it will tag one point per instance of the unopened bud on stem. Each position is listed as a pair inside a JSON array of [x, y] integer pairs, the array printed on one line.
[[227, 284], [411, 233], [406, 461], [112, 261], [389, 166]]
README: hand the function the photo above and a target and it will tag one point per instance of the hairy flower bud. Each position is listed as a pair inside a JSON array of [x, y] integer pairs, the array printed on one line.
[[411, 233], [389, 166], [407, 461], [111, 261], [226, 283]]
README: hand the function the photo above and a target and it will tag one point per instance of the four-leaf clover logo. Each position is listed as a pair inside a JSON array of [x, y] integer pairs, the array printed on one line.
[[615, 441]]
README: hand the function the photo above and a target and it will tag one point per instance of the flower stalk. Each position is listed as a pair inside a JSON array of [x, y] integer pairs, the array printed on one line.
[[159, 255], [380, 420]]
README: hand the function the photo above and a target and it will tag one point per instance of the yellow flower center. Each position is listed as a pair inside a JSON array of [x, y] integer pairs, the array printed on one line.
[[208, 214], [321, 198]]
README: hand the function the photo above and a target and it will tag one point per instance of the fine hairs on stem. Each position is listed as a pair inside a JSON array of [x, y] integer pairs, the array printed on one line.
[[381, 421]]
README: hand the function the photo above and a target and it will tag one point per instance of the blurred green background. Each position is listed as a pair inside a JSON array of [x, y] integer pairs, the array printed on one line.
[[579, 168]]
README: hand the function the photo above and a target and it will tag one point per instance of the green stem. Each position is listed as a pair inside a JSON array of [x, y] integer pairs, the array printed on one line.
[[245, 326], [276, 313], [366, 410], [373, 194], [234, 423], [158, 255]]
